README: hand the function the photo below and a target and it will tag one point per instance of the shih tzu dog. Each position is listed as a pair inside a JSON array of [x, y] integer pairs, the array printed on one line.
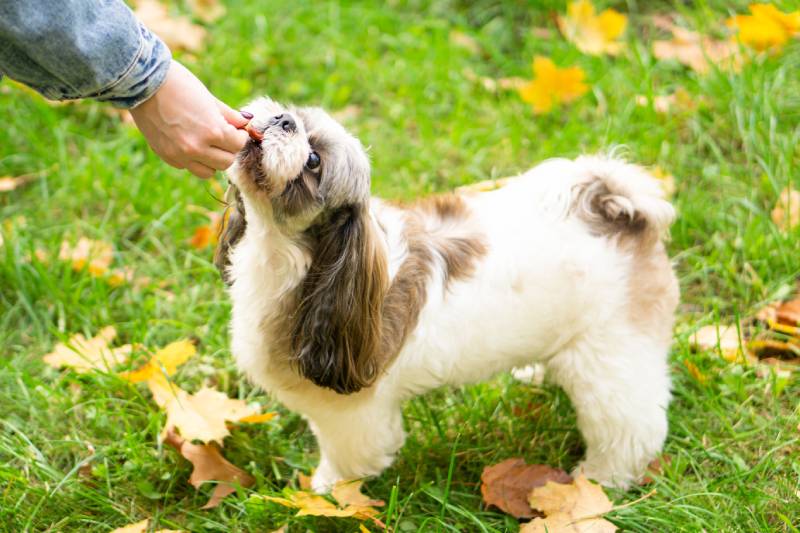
[[345, 305]]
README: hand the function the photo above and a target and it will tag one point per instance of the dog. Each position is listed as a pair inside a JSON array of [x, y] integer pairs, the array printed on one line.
[[344, 305]]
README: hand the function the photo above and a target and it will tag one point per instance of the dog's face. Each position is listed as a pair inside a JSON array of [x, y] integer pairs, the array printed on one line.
[[306, 165], [309, 179]]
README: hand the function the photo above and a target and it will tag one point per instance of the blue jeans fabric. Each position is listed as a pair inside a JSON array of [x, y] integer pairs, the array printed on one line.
[[69, 49]]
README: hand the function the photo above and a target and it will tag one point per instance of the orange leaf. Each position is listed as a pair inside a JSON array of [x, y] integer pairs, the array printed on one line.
[[506, 485], [767, 28], [257, 419], [166, 360], [96, 255], [786, 213], [552, 85]]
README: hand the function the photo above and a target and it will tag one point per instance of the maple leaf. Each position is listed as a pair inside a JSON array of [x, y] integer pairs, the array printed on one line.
[[97, 255], [207, 10], [592, 33], [698, 52], [767, 28], [10, 183], [141, 527], [507, 485], [165, 361], [552, 85], [210, 465], [352, 503], [207, 234], [786, 213], [82, 354], [177, 32], [723, 338], [574, 507]]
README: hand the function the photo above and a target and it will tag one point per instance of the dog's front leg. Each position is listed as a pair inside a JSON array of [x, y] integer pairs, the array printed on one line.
[[355, 442]]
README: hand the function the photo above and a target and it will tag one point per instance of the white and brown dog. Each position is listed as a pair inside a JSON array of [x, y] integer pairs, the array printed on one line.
[[346, 305]]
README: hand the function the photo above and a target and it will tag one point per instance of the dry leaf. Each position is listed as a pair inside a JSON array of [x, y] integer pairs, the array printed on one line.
[[207, 10], [210, 465], [257, 419], [96, 254], [767, 28], [165, 361], [202, 416], [724, 338], [10, 183], [698, 52], [177, 32], [786, 213], [592, 33], [574, 507], [789, 312], [207, 234], [83, 355], [347, 493], [655, 468], [462, 40], [507, 485], [552, 85], [695, 372], [680, 101], [315, 505], [138, 527]]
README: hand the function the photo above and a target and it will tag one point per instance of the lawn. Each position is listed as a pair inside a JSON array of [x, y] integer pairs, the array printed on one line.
[[81, 452]]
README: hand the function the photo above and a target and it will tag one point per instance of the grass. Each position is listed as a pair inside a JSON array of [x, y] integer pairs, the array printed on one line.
[[734, 441]]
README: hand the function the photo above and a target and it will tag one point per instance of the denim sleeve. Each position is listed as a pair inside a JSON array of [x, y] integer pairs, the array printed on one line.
[[81, 49]]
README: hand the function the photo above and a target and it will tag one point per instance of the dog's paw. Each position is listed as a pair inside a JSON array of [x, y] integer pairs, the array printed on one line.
[[324, 479], [602, 475]]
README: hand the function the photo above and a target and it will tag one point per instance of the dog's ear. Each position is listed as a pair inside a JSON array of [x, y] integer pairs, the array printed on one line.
[[230, 231], [337, 330]]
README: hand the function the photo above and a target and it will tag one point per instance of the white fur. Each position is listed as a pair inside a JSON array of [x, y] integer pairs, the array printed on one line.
[[548, 293]]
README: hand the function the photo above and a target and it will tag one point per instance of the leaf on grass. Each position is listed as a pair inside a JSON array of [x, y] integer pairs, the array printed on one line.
[[695, 372], [348, 493], [353, 504], [82, 354], [138, 527], [494, 85], [723, 338], [507, 485], [574, 507], [786, 213], [462, 40], [766, 28], [88, 253], [207, 10], [257, 419], [665, 179], [655, 468], [10, 183], [679, 101], [202, 416], [165, 361], [590, 32], [552, 85], [698, 52], [177, 32], [210, 465], [207, 234]]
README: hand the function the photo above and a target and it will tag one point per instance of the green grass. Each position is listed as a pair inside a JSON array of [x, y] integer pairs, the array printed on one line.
[[734, 441]]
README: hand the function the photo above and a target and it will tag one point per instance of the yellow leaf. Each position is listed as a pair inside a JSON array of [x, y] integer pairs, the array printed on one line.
[[138, 527], [83, 354], [166, 360], [208, 234], [591, 33], [177, 32], [314, 505], [202, 416], [570, 507], [349, 493], [552, 85], [9, 183], [723, 338], [96, 256], [665, 179], [120, 276], [695, 372], [257, 419], [786, 213], [766, 28]]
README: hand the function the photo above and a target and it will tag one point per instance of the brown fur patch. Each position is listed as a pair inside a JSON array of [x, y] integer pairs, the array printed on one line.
[[230, 232], [653, 291]]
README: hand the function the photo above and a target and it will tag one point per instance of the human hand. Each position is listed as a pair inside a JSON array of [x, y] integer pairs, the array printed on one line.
[[188, 127]]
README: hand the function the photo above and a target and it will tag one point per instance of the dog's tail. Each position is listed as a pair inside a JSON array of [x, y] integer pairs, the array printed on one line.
[[616, 198]]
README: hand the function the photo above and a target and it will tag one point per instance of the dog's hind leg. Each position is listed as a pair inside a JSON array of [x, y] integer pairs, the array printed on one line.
[[618, 381], [356, 442]]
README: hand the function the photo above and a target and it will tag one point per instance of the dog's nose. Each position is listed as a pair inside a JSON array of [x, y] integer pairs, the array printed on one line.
[[284, 122]]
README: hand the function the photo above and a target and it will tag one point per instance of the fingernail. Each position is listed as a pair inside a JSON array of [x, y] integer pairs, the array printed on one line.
[[246, 114]]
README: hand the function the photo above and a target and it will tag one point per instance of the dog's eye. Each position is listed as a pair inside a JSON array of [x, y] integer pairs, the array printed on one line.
[[313, 161]]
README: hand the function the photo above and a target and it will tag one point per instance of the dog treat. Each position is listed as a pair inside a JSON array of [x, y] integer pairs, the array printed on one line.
[[254, 133]]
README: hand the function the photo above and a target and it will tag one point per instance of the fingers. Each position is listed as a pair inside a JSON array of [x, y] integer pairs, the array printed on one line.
[[216, 158], [233, 117], [231, 139], [200, 170]]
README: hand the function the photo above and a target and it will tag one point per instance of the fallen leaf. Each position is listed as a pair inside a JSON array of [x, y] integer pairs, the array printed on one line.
[[574, 507], [695, 372], [698, 52], [462, 40], [202, 416], [97, 255], [257, 419], [210, 465], [207, 235], [493, 85], [207, 10], [10, 183], [723, 338], [786, 213], [309, 504], [680, 101], [303, 481], [665, 179], [766, 28], [83, 355], [592, 33], [552, 85], [789, 312], [655, 468], [120, 276], [177, 32], [348, 493], [165, 361], [507, 485], [138, 527]]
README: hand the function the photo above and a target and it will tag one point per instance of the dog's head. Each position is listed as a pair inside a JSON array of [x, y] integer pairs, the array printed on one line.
[[309, 179]]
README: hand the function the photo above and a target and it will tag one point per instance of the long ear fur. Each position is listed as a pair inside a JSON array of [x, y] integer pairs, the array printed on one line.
[[337, 330], [231, 230]]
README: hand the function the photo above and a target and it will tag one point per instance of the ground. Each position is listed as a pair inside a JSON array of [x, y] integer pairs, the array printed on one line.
[[394, 70]]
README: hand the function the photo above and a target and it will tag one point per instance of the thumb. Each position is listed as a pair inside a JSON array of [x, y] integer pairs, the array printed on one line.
[[231, 116]]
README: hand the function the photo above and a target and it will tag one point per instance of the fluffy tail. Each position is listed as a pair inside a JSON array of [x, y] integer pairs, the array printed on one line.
[[616, 198]]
